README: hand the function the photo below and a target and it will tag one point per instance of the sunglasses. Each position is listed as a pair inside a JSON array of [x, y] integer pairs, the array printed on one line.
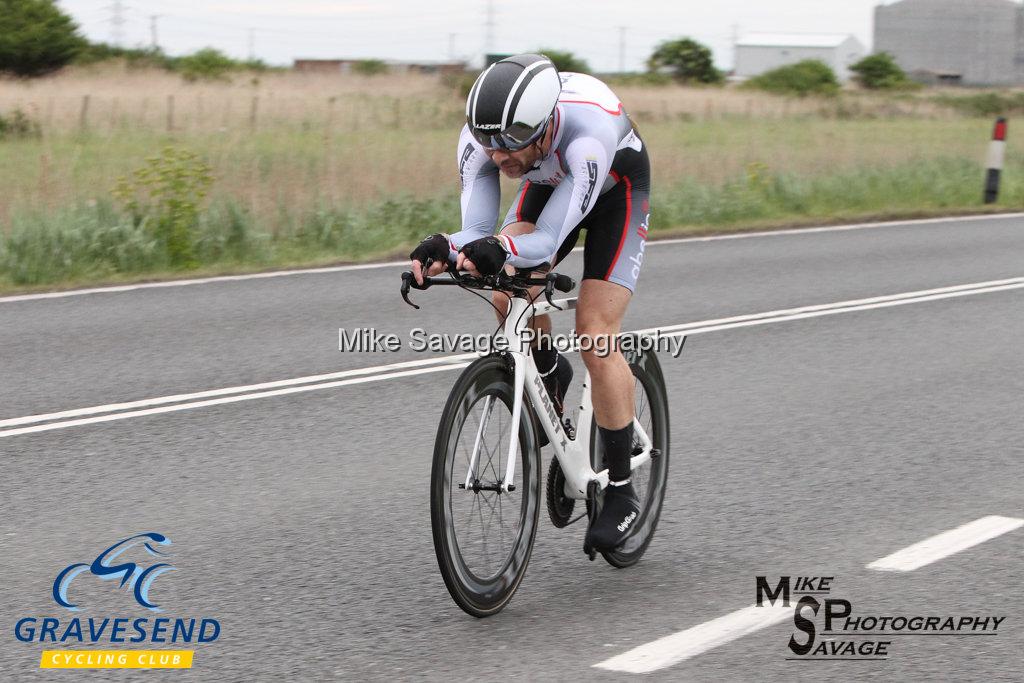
[[513, 139]]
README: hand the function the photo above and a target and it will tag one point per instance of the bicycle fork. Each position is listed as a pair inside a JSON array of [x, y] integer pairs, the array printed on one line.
[[519, 386]]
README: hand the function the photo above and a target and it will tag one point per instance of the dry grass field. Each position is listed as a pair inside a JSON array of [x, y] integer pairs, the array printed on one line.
[[315, 168]]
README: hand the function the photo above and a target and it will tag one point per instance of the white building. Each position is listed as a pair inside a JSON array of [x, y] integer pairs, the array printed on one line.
[[760, 52]]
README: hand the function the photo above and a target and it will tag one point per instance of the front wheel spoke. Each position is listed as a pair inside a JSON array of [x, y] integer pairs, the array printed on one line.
[[483, 538]]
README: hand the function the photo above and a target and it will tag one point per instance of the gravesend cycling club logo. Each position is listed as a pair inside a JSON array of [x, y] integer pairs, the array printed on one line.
[[131, 565], [137, 577], [847, 636]]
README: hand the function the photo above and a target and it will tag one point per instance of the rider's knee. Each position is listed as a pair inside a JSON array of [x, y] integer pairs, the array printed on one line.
[[500, 301], [599, 354]]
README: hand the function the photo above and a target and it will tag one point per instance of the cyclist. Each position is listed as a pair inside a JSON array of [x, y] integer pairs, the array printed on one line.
[[583, 167]]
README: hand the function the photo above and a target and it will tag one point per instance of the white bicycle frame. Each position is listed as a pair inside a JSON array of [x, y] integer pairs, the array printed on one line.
[[573, 453]]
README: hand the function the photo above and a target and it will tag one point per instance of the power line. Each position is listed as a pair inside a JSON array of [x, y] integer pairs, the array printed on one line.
[[154, 43], [488, 29], [117, 22]]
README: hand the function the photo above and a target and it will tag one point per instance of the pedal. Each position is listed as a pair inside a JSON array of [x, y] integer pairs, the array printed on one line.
[[655, 454]]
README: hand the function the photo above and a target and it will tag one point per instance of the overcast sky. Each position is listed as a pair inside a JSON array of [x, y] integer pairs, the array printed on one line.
[[282, 30]]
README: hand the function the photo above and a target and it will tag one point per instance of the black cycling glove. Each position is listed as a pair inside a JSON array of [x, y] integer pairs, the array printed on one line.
[[433, 249], [487, 254]]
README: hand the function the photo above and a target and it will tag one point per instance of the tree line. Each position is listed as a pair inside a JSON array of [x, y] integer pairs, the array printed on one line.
[[37, 38]]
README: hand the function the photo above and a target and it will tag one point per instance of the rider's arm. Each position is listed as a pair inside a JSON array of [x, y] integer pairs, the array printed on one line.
[[588, 160], [481, 193]]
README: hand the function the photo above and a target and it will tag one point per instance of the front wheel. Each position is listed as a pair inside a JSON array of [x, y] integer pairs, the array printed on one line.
[[483, 536], [650, 402]]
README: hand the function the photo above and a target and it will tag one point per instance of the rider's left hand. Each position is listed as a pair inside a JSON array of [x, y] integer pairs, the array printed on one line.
[[482, 257]]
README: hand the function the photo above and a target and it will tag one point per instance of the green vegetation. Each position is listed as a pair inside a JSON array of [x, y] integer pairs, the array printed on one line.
[[880, 72], [687, 60], [134, 57], [164, 201], [18, 125], [206, 64], [330, 168], [762, 196], [96, 243], [36, 37], [370, 67], [809, 77], [565, 61], [163, 197], [984, 103]]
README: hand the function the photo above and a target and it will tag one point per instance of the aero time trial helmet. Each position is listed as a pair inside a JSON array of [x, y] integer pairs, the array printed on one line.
[[512, 101]]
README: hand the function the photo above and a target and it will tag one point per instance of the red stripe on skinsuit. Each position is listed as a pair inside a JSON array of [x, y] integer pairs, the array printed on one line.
[[625, 227], [522, 198], [613, 113]]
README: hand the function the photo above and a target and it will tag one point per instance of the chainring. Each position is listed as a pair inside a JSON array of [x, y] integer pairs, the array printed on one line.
[[560, 506]]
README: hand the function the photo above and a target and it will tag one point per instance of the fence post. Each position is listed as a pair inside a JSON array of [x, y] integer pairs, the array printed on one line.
[[170, 113], [996, 156], [253, 111], [83, 115]]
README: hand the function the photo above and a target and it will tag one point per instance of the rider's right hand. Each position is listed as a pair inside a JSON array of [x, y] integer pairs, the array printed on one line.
[[432, 250]]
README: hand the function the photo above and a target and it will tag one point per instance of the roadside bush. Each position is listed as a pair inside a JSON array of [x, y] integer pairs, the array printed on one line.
[[370, 67], [880, 72], [687, 60], [165, 196], [207, 64], [809, 77], [36, 37], [565, 61], [17, 125]]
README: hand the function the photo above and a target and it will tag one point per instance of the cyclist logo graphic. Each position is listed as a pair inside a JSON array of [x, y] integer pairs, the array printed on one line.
[[137, 577]]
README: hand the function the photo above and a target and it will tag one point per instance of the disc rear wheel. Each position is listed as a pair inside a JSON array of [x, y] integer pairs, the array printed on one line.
[[650, 403]]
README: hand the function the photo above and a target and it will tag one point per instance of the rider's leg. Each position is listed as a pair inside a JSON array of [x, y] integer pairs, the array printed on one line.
[[598, 318], [599, 315], [556, 371]]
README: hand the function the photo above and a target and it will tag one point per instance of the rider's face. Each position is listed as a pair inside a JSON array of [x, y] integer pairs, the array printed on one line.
[[515, 164]]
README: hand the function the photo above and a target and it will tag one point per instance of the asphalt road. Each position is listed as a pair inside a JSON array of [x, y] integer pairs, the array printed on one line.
[[301, 522]]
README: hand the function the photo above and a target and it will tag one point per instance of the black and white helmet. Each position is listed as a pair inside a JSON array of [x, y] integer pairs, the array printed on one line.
[[512, 100]]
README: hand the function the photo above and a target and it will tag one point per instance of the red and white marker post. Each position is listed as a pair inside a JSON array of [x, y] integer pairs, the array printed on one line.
[[996, 157]]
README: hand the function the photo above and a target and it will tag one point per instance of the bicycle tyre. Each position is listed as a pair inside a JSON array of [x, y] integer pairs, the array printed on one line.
[[650, 380], [482, 596]]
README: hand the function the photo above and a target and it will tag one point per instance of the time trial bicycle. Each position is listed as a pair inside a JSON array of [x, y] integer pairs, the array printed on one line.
[[485, 490]]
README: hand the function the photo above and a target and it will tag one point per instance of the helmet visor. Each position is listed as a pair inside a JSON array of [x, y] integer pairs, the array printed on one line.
[[514, 138]]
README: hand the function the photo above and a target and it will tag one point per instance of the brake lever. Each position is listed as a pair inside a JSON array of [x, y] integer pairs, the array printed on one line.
[[549, 289], [406, 285]]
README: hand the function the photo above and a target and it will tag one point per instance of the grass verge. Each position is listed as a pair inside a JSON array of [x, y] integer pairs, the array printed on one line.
[[95, 243]]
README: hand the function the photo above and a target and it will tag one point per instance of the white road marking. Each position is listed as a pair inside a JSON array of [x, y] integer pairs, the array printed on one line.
[[852, 306], [221, 401], [58, 420], [683, 645], [395, 264], [947, 543], [180, 398]]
